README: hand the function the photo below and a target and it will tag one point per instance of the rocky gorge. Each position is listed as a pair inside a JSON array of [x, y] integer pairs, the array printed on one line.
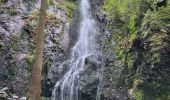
[[132, 45]]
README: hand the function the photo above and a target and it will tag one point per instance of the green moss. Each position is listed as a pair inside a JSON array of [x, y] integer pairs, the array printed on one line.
[[147, 59], [123, 7], [51, 19], [14, 43], [30, 61], [43, 98], [11, 72], [138, 95], [2, 1], [68, 7], [13, 10]]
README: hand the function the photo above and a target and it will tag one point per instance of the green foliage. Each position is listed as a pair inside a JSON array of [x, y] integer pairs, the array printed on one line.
[[43, 98], [2, 1], [14, 43], [67, 6], [30, 61], [32, 21], [123, 7], [145, 60], [110, 7], [125, 11], [13, 10]]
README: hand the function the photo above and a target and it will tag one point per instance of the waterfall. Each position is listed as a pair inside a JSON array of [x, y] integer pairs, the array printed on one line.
[[67, 88]]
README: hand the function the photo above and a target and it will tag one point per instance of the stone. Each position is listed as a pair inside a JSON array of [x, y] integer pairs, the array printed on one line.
[[23, 98], [3, 95], [5, 89], [15, 97]]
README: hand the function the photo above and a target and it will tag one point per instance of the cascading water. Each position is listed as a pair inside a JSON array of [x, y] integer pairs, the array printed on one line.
[[69, 85]]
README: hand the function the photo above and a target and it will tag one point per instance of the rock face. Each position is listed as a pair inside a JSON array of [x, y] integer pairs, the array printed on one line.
[[109, 73], [99, 74], [133, 48], [60, 65], [18, 20], [5, 94], [17, 36], [141, 43], [13, 72], [89, 82]]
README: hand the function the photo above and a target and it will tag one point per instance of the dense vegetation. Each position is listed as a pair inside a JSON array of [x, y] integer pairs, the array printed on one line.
[[141, 31]]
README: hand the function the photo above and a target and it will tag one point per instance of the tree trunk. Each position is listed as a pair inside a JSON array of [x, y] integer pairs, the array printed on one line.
[[35, 84]]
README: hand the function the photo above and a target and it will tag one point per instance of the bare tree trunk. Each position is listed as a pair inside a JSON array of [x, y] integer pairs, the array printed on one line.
[[35, 84]]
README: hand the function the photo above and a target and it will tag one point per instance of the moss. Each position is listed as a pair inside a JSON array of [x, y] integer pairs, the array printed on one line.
[[10, 72], [43, 98], [2, 1], [14, 43], [13, 10], [147, 22], [30, 61], [32, 21], [67, 6]]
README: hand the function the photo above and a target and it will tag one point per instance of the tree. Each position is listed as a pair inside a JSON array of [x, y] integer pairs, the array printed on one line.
[[35, 83]]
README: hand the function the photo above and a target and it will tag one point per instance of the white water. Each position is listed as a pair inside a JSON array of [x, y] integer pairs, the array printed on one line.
[[68, 86]]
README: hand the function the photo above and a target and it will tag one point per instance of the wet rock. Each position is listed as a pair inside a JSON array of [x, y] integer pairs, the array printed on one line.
[[89, 79], [108, 72], [73, 30], [15, 97], [3, 95], [17, 44], [14, 47], [65, 43], [23, 98]]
